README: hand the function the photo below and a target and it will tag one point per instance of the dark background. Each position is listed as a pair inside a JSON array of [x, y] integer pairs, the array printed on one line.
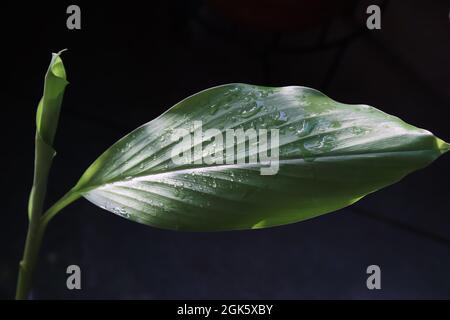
[[133, 60]]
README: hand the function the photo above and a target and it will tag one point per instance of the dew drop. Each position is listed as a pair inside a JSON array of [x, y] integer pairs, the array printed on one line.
[[282, 116], [323, 144], [213, 109], [250, 110], [121, 212], [304, 129]]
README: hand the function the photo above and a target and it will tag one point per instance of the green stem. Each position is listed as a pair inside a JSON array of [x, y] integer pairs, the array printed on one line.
[[68, 198], [36, 230], [42, 162], [26, 266]]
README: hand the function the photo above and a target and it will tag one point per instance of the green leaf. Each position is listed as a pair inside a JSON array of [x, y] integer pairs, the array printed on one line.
[[330, 156], [47, 116]]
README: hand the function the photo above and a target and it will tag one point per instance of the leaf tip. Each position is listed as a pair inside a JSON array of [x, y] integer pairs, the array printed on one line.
[[443, 146], [61, 51], [57, 66]]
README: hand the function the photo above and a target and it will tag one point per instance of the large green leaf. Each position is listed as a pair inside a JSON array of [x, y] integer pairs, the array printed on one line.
[[331, 155]]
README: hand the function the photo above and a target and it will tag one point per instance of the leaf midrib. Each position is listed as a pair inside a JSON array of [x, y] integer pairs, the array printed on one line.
[[85, 190]]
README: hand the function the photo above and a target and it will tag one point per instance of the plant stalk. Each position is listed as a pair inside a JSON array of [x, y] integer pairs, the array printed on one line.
[[47, 117], [36, 231], [42, 162], [30, 255]]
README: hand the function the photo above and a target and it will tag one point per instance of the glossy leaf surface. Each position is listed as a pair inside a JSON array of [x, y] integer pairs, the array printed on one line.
[[330, 155]]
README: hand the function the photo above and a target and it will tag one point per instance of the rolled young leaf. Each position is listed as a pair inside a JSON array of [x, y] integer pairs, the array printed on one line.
[[47, 117], [330, 155]]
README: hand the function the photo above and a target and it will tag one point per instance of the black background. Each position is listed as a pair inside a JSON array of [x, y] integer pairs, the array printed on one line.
[[133, 60]]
